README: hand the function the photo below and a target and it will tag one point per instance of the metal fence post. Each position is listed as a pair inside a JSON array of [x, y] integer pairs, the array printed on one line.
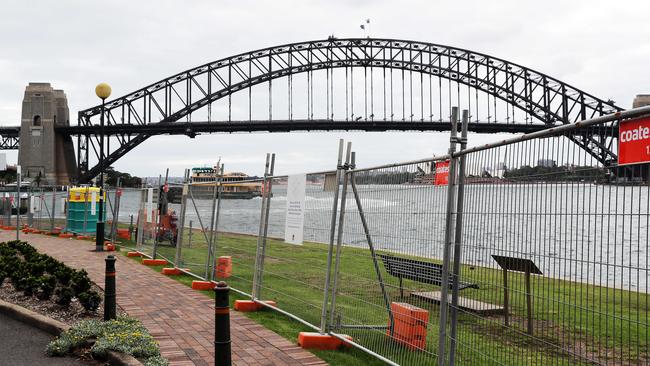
[[268, 189], [214, 225], [208, 262], [324, 323], [260, 233], [339, 238], [181, 222], [139, 235], [18, 183], [189, 236], [85, 225], [156, 238], [30, 214], [449, 232], [116, 211], [53, 209], [457, 241]]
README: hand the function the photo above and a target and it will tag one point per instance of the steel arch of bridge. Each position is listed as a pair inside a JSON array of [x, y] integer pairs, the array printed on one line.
[[546, 100]]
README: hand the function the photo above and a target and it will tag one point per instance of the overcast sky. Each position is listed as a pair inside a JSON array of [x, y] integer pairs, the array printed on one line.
[[602, 47]]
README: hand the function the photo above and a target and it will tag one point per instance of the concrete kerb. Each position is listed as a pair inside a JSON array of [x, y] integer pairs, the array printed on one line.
[[48, 325], [55, 328]]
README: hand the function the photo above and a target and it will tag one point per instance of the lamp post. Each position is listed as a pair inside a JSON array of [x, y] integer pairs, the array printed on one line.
[[103, 91]]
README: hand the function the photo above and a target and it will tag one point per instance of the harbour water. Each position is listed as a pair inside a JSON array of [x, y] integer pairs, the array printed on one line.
[[581, 232]]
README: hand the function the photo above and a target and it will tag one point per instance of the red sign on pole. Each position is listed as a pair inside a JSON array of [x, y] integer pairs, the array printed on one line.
[[442, 173], [634, 141]]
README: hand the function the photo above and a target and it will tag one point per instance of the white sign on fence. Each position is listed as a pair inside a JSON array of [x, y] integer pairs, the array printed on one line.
[[293, 229], [149, 204], [33, 204], [93, 204]]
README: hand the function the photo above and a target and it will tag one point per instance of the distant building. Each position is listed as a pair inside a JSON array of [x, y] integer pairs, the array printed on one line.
[[546, 163], [641, 100], [494, 171]]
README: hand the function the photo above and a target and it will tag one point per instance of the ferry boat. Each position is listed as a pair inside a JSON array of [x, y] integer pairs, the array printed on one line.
[[236, 185]]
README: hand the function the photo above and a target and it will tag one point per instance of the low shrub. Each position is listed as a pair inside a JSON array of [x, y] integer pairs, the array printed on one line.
[[30, 286], [46, 286], [80, 282], [63, 275], [41, 275], [64, 296], [90, 300], [124, 334]]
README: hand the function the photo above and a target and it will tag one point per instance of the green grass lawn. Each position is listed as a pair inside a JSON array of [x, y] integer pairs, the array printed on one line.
[[606, 325]]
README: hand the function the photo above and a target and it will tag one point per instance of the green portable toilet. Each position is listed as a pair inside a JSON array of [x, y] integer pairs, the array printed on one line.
[[83, 210]]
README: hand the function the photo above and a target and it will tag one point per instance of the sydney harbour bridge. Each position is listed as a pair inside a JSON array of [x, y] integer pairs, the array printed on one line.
[[352, 84]]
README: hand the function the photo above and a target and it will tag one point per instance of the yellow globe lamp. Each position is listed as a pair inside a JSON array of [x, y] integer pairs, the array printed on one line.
[[103, 90]]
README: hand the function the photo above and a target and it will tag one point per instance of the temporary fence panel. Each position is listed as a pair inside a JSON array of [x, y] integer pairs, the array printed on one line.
[[294, 270], [557, 243], [145, 220], [391, 248]]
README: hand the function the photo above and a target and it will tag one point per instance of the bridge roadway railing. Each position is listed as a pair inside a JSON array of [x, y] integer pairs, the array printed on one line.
[[527, 251]]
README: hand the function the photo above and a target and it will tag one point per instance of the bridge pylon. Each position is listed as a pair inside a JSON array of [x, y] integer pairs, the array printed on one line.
[[44, 154]]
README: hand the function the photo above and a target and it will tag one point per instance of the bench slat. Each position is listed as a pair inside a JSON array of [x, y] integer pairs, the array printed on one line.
[[420, 271]]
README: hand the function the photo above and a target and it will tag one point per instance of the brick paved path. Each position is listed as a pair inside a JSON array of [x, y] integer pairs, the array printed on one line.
[[181, 319]]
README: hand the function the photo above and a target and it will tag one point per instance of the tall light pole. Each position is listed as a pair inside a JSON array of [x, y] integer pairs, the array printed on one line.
[[103, 91]]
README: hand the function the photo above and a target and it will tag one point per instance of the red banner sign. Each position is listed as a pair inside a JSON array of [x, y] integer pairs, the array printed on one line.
[[634, 141], [442, 173]]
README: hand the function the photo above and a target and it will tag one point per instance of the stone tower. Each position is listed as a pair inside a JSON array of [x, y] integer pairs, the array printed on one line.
[[641, 100], [43, 152]]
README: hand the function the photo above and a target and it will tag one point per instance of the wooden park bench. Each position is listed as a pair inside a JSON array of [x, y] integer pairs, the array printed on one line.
[[420, 271], [431, 273]]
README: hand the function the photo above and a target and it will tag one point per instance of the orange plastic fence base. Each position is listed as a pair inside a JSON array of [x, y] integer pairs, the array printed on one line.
[[247, 306], [203, 285], [311, 340], [9, 227], [410, 325], [36, 231], [123, 234], [134, 254], [83, 237], [154, 262], [66, 235], [110, 247], [224, 267], [173, 271]]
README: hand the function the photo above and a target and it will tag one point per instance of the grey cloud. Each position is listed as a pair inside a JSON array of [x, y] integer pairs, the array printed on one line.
[[600, 47]]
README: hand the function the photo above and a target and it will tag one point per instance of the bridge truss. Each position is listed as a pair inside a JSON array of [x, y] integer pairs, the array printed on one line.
[[9, 138], [343, 84]]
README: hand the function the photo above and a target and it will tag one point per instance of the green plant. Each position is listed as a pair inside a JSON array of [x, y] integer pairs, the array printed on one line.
[[3, 275], [64, 296], [63, 275], [46, 286], [124, 334], [80, 282], [30, 285], [90, 300]]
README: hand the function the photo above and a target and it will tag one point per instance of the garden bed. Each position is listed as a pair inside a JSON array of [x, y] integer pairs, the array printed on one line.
[[44, 285]]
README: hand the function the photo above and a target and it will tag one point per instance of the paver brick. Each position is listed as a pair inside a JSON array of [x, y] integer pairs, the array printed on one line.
[[179, 318]]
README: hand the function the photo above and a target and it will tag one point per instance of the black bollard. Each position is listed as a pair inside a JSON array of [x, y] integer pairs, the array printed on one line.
[[109, 289], [222, 356]]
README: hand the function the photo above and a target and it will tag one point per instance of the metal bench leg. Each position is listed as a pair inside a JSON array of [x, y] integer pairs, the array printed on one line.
[[505, 298], [401, 289]]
